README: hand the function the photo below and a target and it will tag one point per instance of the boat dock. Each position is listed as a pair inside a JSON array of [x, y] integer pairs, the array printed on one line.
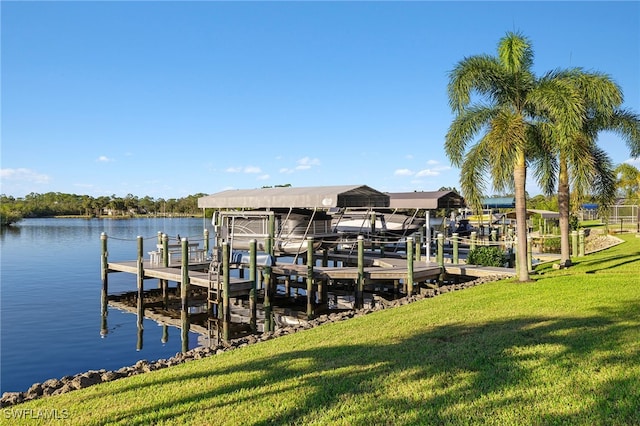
[[264, 249], [392, 275], [197, 274]]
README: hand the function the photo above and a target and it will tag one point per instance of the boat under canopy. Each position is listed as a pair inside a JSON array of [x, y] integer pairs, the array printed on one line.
[[298, 214], [291, 229], [324, 213], [376, 222]]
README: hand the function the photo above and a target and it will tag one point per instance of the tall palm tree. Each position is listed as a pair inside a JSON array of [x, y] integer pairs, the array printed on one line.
[[582, 167], [507, 113]]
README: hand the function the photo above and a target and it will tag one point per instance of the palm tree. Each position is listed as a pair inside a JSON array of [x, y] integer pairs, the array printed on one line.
[[628, 181], [511, 98], [581, 164]]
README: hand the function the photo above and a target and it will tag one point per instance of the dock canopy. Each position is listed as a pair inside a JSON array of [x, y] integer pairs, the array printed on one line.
[[545, 214], [324, 197], [498, 203], [426, 200]]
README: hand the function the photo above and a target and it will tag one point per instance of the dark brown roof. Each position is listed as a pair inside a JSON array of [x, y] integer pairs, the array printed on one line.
[[304, 197], [426, 200]]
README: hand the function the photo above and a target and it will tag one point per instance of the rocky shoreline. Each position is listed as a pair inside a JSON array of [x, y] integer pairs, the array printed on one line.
[[83, 380]]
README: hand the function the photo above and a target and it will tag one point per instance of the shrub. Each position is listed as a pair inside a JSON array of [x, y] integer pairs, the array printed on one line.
[[486, 256], [551, 245]]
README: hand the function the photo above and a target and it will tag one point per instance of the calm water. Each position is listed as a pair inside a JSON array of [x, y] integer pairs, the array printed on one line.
[[50, 298]]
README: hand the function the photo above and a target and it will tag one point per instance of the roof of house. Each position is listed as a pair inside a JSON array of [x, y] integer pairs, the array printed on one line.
[[301, 197]]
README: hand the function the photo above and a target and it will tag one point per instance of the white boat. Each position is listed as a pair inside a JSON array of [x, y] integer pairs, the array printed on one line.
[[292, 229], [361, 222]]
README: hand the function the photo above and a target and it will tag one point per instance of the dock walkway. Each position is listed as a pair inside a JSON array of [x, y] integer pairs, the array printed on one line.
[[197, 276]]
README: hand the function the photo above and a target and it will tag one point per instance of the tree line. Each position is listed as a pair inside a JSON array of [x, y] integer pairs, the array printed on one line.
[[52, 204]]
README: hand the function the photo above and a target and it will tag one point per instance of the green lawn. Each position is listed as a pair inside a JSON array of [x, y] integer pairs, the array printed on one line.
[[564, 349]]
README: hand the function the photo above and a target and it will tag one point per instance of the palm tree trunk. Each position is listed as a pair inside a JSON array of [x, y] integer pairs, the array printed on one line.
[[519, 179], [563, 210]]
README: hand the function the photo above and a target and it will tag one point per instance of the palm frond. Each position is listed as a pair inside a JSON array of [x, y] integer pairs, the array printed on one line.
[[463, 129], [515, 52], [472, 175], [504, 138], [475, 74], [604, 183], [626, 124], [559, 102], [543, 158]]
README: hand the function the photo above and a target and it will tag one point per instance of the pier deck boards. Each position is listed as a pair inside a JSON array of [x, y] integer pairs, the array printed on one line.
[[390, 269], [237, 286]]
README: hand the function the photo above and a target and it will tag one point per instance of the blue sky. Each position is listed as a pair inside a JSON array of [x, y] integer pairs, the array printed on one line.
[[169, 99]]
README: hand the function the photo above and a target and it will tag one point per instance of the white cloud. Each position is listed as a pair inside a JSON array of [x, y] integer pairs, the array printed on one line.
[[403, 172], [263, 177], [433, 162], [246, 169], [306, 163], [427, 172], [23, 174], [104, 159], [635, 162]]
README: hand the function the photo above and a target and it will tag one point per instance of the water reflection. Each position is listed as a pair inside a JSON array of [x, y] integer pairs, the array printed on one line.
[[50, 268]]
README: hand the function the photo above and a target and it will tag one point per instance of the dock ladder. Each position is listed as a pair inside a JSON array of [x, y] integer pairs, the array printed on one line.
[[213, 298]]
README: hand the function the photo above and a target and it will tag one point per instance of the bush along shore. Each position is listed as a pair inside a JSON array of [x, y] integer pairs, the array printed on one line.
[[83, 380]]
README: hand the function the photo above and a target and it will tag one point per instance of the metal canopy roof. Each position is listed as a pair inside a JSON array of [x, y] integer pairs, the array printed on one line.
[[305, 197], [426, 200], [499, 203], [545, 214]]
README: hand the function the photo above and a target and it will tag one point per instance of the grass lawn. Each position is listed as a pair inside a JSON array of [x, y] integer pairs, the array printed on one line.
[[564, 349]]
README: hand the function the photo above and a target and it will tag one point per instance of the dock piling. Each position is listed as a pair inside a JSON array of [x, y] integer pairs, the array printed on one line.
[[310, 263], [140, 282], [410, 255], [184, 295], [440, 248], [226, 312], [104, 274], [455, 239], [253, 295], [360, 284]]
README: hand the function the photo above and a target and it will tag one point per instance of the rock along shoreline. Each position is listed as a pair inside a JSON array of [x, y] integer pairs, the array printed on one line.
[[93, 377]]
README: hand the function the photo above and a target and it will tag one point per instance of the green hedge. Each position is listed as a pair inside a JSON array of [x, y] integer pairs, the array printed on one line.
[[486, 256]]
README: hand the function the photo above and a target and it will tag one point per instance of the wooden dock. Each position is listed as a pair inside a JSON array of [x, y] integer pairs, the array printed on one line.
[[399, 274], [197, 275]]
